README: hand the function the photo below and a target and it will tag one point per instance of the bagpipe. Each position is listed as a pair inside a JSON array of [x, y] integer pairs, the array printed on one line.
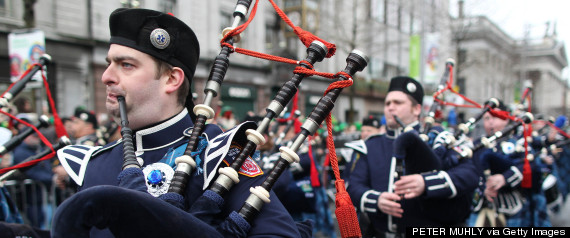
[[413, 155], [19, 85], [43, 121], [429, 119], [63, 141], [436, 149], [405, 160], [203, 215], [356, 61], [12, 92], [547, 151]]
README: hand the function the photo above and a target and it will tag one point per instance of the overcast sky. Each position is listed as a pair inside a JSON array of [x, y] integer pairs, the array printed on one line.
[[513, 16]]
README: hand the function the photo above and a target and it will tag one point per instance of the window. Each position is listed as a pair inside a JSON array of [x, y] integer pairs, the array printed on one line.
[[292, 3], [377, 10], [392, 17], [132, 3], [225, 20], [376, 67], [312, 4], [405, 21], [270, 36]]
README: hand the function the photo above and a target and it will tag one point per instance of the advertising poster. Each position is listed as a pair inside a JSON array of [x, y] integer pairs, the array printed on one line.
[[25, 49]]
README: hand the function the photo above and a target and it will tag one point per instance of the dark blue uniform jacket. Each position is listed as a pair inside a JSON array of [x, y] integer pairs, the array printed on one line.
[[162, 144], [446, 199]]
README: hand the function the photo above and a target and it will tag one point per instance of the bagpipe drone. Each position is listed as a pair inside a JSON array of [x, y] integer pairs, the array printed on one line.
[[43, 121]]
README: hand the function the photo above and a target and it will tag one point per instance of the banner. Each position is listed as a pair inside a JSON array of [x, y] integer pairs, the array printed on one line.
[[25, 49], [431, 62], [415, 56]]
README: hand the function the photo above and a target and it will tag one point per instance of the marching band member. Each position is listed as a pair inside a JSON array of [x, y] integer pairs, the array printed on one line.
[[500, 181], [522, 204], [370, 127], [369, 182], [151, 61]]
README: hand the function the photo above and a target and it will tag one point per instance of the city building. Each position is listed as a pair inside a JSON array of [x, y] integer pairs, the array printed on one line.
[[412, 37]]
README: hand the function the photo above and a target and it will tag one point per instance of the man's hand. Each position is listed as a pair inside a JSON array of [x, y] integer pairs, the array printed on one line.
[[387, 204], [410, 186], [492, 186], [60, 176], [548, 160]]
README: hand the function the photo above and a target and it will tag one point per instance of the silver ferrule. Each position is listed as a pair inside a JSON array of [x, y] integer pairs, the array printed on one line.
[[225, 181], [184, 167], [255, 202], [275, 107], [213, 87], [310, 125]]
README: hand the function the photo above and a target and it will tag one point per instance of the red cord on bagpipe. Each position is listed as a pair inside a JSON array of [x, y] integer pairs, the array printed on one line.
[[305, 37], [346, 214], [59, 128], [449, 86], [562, 132]]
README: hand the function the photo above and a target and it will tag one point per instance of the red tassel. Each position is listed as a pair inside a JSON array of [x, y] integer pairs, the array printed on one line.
[[527, 171], [527, 175], [345, 212], [297, 126], [314, 173]]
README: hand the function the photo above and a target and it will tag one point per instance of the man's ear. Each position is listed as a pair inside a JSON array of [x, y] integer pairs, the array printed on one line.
[[417, 110], [174, 80]]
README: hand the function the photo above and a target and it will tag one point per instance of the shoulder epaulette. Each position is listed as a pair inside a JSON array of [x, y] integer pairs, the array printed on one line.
[[357, 145], [74, 159], [219, 146]]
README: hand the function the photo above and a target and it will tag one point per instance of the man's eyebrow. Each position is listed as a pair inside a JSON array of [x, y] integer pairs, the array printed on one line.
[[119, 58]]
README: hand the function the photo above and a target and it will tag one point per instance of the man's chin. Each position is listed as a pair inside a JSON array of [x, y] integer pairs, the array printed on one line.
[[113, 111]]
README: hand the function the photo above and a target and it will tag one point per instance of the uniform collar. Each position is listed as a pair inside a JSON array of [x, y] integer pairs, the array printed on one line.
[[163, 134], [396, 132]]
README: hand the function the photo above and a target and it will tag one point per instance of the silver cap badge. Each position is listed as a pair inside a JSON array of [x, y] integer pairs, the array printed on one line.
[[160, 38], [411, 87]]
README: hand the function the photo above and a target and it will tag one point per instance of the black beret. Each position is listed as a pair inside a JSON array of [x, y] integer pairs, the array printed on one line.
[[409, 86], [158, 34], [502, 106], [86, 116], [371, 121]]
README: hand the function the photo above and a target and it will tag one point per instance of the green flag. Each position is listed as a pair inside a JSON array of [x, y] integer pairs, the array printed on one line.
[[415, 55]]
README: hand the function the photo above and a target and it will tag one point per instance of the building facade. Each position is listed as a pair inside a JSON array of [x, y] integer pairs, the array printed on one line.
[[490, 64], [489, 61]]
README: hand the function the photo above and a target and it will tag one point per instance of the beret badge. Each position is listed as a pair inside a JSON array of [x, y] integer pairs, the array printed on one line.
[[411, 87], [84, 116], [160, 38]]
